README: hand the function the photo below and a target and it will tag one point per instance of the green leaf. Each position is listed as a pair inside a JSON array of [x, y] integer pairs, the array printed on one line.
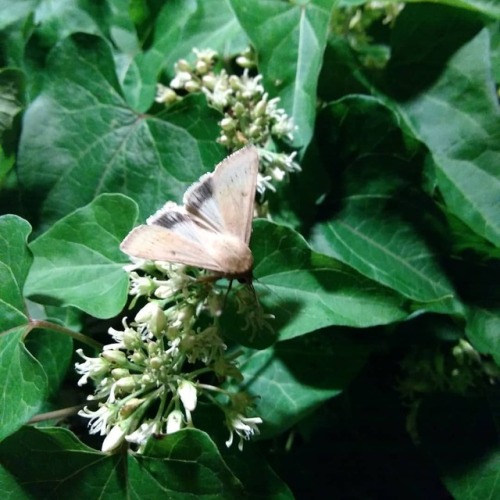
[[78, 261], [97, 144], [10, 487], [290, 38], [483, 325], [14, 11], [182, 465], [15, 261], [121, 27], [54, 353], [24, 383], [294, 377], [487, 7], [480, 480], [57, 19], [374, 224], [181, 26], [460, 434], [10, 102], [306, 290], [454, 83]]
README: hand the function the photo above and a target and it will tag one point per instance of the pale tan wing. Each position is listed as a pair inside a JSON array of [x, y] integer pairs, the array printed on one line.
[[224, 200], [172, 236]]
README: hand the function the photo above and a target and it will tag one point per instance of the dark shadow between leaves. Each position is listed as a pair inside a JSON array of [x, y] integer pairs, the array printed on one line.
[[46, 300], [325, 359], [421, 48], [458, 432]]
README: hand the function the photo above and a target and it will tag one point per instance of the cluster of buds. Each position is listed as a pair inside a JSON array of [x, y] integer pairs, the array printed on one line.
[[469, 361], [149, 380], [354, 23], [433, 369], [249, 115]]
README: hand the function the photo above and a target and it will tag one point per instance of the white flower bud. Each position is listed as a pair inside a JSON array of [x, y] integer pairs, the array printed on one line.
[[155, 362], [188, 394], [168, 96], [153, 316], [165, 291], [254, 131], [223, 139], [138, 358], [239, 109], [175, 421], [130, 406], [126, 384], [114, 439], [183, 65], [227, 124], [192, 86], [260, 108], [209, 81], [131, 338], [202, 67], [119, 373], [114, 356], [244, 62]]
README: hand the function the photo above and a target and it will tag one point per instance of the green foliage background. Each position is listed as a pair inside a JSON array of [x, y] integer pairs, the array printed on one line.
[[383, 252]]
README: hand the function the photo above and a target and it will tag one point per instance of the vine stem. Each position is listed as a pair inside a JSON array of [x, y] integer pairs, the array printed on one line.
[[84, 339], [58, 414]]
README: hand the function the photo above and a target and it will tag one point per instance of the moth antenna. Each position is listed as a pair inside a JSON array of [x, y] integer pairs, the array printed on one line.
[[227, 293]]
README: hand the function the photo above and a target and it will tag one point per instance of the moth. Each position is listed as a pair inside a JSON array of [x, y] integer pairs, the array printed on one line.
[[212, 229]]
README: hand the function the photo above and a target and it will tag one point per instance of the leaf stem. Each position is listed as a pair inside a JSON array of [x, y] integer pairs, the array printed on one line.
[[84, 339], [57, 414]]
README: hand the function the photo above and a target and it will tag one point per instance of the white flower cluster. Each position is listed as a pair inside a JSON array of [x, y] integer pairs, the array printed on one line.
[[148, 381], [249, 116]]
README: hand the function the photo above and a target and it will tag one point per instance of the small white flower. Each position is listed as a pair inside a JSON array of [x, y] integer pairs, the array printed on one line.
[[141, 285], [263, 183], [144, 432], [206, 55], [251, 85], [283, 127], [277, 174], [119, 335], [180, 80], [165, 94], [98, 419], [104, 389], [94, 368], [245, 427], [221, 93]]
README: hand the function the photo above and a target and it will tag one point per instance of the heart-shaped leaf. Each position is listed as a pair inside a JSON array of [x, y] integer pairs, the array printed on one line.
[[78, 261], [24, 383], [97, 144], [290, 53]]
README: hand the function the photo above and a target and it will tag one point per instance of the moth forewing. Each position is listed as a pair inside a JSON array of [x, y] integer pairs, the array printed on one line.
[[212, 229], [225, 198], [152, 242]]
